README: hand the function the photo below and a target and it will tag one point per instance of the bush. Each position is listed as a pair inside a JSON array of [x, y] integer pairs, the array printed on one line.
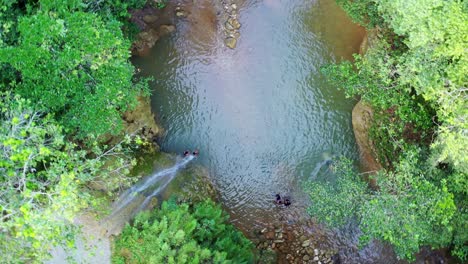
[[182, 234], [414, 76], [43, 180], [407, 210], [73, 64]]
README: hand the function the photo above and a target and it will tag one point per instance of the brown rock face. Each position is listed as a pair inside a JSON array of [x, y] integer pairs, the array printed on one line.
[[362, 118], [142, 119]]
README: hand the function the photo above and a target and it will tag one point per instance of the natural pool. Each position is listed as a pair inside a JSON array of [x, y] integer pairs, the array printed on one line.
[[262, 115]]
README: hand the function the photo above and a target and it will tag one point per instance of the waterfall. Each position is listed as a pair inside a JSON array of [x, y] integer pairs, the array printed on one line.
[[163, 178]]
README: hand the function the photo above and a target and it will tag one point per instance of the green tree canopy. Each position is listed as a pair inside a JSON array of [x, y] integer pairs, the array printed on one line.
[[414, 74], [182, 234], [408, 210], [74, 64]]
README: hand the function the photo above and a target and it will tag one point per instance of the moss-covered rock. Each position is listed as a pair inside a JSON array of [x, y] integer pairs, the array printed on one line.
[[191, 185]]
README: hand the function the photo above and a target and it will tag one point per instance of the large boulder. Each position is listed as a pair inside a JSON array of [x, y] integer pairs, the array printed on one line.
[[362, 119]]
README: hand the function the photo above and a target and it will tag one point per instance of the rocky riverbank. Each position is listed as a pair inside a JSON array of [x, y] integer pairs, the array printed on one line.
[[362, 116], [293, 243], [230, 23]]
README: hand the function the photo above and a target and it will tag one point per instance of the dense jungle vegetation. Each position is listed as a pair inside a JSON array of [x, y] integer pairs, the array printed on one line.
[[182, 234], [414, 75], [65, 81]]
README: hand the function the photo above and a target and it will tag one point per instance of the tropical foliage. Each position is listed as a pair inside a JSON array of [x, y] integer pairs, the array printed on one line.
[[179, 233], [407, 210], [43, 177], [71, 63], [65, 76], [414, 76]]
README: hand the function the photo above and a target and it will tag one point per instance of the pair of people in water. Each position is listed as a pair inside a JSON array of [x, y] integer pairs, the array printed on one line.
[[194, 153], [282, 200]]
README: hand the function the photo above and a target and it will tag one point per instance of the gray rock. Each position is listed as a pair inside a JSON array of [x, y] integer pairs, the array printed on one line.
[[316, 258], [306, 243], [305, 258], [230, 43], [180, 14], [316, 252], [234, 6]]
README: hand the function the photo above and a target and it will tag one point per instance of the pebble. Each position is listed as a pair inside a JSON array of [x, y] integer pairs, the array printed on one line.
[[306, 243], [316, 252], [316, 258], [234, 6], [306, 258]]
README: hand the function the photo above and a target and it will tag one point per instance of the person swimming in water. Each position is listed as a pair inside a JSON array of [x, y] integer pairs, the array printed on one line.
[[287, 202], [278, 199], [186, 153], [195, 152]]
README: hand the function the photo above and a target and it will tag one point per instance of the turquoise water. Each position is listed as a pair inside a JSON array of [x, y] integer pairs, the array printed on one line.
[[262, 115]]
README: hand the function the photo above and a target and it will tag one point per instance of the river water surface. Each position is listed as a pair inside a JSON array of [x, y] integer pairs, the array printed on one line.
[[262, 115]]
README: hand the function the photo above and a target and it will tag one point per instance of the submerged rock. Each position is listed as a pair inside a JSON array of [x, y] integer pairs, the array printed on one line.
[[166, 29], [180, 14], [145, 41], [234, 23], [230, 42], [150, 18]]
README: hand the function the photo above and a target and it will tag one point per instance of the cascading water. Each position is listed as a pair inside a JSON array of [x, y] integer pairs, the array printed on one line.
[[139, 195]]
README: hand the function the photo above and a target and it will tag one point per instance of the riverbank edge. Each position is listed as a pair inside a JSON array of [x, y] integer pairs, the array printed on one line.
[[362, 119]]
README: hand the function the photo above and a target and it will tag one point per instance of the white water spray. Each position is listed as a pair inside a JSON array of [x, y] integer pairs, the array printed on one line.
[[140, 187]]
